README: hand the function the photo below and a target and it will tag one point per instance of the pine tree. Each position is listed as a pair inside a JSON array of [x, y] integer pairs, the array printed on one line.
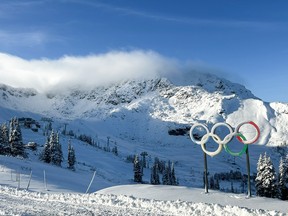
[[173, 176], [1, 142], [45, 156], [115, 150], [155, 180], [144, 154], [259, 177], [169, 177], [137, 170], [283, 179], [56, 149], [266, 184], [270, 182], [4, 140], [217, 185], [232, 187], [71, 157], [166, 178], [15, 139]]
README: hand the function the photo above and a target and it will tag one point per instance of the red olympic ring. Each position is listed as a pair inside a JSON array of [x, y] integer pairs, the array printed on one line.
[[255, 138]]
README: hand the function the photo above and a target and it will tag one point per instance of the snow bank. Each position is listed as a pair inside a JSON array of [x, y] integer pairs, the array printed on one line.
[[19, 202], [196, 195]]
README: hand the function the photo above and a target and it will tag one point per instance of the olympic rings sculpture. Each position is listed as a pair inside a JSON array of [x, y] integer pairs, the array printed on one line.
[[224, 143]]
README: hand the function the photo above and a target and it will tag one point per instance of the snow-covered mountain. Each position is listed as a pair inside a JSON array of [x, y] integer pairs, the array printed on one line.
[[155, 106], [152, 115]]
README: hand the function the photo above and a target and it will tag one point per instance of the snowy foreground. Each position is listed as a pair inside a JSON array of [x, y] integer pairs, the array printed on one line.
[[137, 200]]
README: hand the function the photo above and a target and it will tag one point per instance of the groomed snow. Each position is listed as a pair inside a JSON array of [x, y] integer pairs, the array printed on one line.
[[196, 195], [156, 200]]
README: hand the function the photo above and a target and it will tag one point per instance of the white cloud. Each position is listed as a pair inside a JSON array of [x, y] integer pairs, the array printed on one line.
[[35, 38], [83, 71]]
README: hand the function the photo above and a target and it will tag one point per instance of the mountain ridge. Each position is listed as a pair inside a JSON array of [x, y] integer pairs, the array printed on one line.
[[207, 99]]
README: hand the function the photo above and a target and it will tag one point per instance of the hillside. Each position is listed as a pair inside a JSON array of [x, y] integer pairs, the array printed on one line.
[[152, 116]]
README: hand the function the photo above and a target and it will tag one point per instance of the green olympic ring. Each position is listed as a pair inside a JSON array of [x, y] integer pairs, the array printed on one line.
[[244, 149]]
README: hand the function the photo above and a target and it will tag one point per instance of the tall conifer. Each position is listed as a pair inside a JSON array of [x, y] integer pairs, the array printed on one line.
[[266, 182], [283, 179], [71, 156], [137, 170], [155, 180], [15, 139]]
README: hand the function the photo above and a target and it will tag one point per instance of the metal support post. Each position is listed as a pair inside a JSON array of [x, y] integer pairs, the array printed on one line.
[[205, 172], [248, 174]]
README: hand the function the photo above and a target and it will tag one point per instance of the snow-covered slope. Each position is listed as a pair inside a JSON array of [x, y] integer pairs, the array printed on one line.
[[152, 115]]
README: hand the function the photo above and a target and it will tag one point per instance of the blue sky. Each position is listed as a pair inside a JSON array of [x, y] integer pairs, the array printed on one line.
[[245, 41]]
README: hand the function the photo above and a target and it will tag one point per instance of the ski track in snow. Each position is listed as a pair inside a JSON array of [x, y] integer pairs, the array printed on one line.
[[21, 202]]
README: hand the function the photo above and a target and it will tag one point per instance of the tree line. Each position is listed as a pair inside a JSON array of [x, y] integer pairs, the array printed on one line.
[[11, 143], [52, 152], [158, 169]]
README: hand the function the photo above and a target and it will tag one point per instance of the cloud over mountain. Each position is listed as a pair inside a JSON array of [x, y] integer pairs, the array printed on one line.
[[83, 71]]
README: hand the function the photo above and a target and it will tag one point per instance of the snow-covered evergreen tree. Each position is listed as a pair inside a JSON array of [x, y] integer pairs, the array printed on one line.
[[270, 182], [259, 177], [155, 180], [266, 182], [45, 156], [71, 157], [173, 176], [283, 179], [160, 165], [4, 140], [217, 185], [1, 142], [15, 139], [169, 177], [115, 150], [56, 149], [166, 178], [137, 170], [144, 155]]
